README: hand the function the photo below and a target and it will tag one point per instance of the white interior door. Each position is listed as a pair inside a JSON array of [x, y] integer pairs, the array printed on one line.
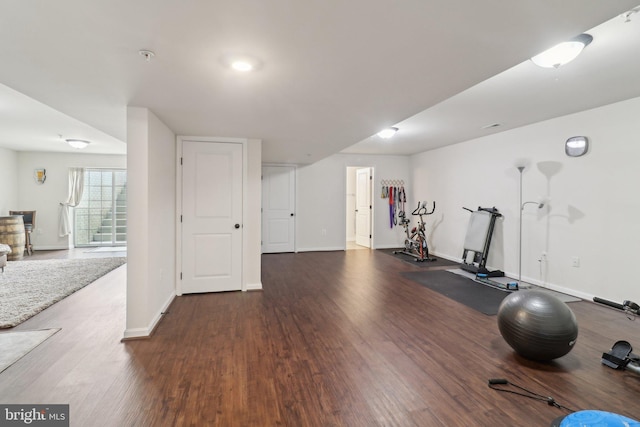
[[278, 209], [363, 207], [211, 217]]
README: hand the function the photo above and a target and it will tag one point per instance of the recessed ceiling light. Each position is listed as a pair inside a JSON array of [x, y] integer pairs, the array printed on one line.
[[241, 63], [388, 132], [562, 53], [242, 66]]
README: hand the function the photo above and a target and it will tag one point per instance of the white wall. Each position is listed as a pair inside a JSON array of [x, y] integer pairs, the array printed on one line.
[[45, 198], [593, 209], [321, 201], [151, 240], [9, 179]]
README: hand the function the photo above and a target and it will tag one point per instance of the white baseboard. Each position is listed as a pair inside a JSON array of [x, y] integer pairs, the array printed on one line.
[[325, 249], [51, 248], [138, 333], [253, 286]]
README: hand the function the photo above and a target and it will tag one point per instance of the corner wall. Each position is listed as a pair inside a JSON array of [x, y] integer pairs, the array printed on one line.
[[592, 210], [8, 175], [151, 240]]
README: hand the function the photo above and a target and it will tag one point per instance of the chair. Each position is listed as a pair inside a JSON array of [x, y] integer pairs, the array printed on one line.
[[4, 250], [29, 218]]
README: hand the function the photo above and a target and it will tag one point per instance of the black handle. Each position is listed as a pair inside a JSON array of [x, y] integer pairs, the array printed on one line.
[[291, 214], [609, 303], [237, 226]]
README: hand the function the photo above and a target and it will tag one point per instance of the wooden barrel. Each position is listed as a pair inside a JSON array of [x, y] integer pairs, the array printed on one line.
[[12, 234]]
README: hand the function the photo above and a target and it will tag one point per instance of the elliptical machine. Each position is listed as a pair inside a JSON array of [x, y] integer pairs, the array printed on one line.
[[415, 244]]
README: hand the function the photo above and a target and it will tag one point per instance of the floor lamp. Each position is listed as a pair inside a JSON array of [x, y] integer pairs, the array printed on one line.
[[522, 205]]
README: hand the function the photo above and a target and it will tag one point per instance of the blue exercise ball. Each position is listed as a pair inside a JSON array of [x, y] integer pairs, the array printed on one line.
[[537, 325]]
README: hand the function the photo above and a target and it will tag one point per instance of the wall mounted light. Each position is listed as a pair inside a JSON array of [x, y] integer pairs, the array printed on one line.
[[388, 132], [576, 146], [78, 143], [562, 53]]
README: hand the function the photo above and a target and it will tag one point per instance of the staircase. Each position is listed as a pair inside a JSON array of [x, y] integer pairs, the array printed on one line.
[[104, 232]]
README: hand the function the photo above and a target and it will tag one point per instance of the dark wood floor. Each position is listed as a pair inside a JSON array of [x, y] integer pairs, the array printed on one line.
[[334, 339]]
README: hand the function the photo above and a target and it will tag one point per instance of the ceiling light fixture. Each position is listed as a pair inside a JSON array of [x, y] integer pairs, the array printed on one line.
[[241, 63], [388, 132], [78, 143], [562, 53], [242, 66]]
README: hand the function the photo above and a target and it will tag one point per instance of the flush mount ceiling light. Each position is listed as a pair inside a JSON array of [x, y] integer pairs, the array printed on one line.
[[388, 132], [241, 63], [242, 66], [78, 143], [562, 53]]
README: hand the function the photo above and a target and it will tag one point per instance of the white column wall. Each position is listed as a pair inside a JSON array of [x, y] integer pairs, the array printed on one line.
[[9, 180], [151, 237], [593, 208]]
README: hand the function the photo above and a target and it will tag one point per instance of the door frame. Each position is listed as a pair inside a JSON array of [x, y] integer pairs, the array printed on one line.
[[352, 168], [295, 201], [179, 144]]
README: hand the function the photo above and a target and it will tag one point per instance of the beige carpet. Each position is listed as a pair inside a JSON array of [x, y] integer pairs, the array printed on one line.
[[28, 287], [15, 345]]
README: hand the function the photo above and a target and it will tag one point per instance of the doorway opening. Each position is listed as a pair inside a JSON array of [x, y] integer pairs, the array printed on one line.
[[359, 203]]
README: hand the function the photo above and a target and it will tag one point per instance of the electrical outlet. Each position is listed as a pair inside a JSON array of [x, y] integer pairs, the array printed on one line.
[[575, 261], [324, 231]]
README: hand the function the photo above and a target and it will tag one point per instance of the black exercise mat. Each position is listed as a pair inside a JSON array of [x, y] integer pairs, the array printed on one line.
[[439, 262], [482, 298]]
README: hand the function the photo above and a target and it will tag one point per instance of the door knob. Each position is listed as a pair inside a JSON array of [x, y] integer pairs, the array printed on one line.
[[237, 226], [292, 214]]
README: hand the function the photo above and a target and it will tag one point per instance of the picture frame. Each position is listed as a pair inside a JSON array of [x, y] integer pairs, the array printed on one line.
[[40, 175]]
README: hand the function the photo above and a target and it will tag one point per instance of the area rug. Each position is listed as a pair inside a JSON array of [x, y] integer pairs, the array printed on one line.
[[15, 345], [28, 287], [108, 249], [439, 262], [484, 299], [522, 286]]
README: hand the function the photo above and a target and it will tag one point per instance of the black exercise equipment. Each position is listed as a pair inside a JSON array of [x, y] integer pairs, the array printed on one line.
[[537, 325], [478, 241], [620, 356], [415, 244]]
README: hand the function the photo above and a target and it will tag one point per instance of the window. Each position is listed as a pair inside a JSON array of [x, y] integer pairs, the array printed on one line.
[[101, 217]]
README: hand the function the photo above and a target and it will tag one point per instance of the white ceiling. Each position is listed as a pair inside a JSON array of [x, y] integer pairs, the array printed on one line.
[[333, 73], [607, 71]]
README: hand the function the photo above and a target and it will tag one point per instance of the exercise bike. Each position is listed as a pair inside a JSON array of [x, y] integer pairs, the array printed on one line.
[[415, 244], [620, 356]]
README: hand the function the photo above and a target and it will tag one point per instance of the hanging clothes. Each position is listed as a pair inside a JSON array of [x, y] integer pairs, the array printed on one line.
[[390, 207]]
